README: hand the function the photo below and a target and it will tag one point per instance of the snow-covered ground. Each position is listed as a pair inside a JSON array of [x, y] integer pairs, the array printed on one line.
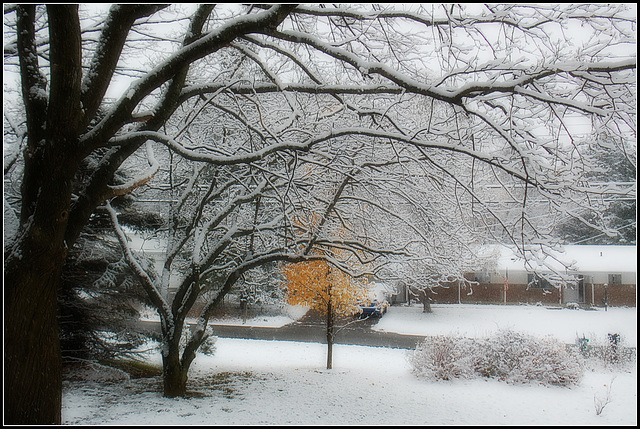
[[280, 382], [481, 320], [291, 314]]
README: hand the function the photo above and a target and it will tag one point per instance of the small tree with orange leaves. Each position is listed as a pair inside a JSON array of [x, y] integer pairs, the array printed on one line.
[[325, 289]]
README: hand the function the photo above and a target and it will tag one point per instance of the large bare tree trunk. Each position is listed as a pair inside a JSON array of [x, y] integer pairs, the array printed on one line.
[[32, 278], [33, 268], [33, 374], [422, 294], [174, 377], [175, 367], [33, 368]]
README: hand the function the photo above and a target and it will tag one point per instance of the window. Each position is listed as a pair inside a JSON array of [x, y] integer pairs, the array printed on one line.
[[615, 279], [534, 281]]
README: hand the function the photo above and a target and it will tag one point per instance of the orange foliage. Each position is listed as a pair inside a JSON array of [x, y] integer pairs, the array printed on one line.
[[316, 284]]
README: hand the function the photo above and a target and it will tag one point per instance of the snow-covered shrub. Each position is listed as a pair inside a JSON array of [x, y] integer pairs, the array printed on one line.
[[600, 353], [443, 358], [507, 355], [520, 358]]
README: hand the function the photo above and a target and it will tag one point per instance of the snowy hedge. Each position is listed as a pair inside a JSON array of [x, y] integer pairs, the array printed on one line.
[[506, 355]]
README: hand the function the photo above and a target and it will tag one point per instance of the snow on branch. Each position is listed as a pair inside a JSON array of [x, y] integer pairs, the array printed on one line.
[[528, 76], [140, 180], [146, 281], [332, 134], [121, 112]]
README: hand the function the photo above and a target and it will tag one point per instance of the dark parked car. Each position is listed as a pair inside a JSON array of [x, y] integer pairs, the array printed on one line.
[[373, 308]]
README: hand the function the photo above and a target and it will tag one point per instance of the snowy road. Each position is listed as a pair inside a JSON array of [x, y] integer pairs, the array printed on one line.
[[359, 333]]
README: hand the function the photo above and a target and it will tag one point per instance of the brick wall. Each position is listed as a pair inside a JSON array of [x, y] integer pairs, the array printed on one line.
[[618, 295], [491, 293]]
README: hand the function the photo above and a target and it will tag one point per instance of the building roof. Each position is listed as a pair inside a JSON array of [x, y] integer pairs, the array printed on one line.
[[580, 258]]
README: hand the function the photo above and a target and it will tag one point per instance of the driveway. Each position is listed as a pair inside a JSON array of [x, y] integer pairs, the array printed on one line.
[[358, 333], [309, 329]]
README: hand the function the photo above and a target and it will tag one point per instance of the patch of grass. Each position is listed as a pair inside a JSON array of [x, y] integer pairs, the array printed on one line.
[[223, 382], [135, 368]]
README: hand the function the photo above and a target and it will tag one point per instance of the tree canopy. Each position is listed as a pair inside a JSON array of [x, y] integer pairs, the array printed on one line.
[[409, 128]]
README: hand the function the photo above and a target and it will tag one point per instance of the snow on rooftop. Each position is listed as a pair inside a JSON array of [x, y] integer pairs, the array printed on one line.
[[585, 258]]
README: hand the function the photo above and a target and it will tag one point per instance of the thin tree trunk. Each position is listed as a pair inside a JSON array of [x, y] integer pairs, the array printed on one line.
[[330, 335], [426, 305]]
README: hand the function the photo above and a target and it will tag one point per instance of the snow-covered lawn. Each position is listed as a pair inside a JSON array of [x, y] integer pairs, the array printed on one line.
[[481, 320], [292, 313], [280, 382]]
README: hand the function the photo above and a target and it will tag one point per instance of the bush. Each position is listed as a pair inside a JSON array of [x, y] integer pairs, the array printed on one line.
[[610, 354], [521, 358], [443, 358], [509, 356]]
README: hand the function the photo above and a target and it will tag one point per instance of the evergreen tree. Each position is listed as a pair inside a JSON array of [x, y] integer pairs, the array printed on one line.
[[615, 220]]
